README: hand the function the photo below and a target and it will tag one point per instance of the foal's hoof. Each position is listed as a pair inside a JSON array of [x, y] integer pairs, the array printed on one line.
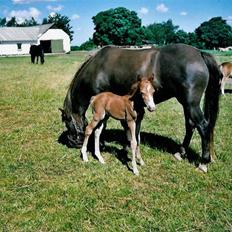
[[136, 173], [202, 168], [141, 162], [178, 156]]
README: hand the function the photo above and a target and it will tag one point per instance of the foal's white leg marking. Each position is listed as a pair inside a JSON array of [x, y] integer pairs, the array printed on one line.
[[223, 85], [97, 143], [84, 149], [203, 168], [138, 153], [131, 125], [178, 156]]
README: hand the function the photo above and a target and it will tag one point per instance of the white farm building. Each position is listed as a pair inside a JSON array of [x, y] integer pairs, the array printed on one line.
[[17, 40]]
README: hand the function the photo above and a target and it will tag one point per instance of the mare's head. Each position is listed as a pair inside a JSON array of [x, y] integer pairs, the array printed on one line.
[[73, 137], [146, 90]]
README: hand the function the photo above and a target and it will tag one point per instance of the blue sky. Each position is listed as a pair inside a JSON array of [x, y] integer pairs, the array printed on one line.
[[188, 14]]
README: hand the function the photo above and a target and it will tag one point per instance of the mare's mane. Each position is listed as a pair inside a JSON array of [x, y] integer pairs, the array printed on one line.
[[68, 101]]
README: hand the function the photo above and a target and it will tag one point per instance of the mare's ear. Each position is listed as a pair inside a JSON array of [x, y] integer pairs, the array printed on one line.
[[61, 110]]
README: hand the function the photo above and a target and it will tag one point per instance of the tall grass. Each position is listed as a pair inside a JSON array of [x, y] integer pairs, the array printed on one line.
[[44, 186]]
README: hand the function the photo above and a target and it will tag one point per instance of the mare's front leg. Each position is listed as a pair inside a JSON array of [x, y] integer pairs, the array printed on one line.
[[132, 126], [139, 119]]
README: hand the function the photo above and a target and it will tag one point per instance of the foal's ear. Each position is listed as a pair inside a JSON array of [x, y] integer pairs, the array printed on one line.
[[152, 77], [139, 77]]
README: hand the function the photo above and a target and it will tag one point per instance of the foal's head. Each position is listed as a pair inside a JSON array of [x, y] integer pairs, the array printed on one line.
[[145, 87]]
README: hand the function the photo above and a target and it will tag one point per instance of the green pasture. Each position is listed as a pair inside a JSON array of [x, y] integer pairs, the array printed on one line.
[[45, 186]]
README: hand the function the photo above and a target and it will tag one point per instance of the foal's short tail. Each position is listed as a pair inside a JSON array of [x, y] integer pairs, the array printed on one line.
[[212, 94]]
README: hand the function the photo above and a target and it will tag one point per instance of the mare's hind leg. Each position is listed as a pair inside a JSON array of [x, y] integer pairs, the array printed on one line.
[[201, 124], [189, 129], [97, 134]]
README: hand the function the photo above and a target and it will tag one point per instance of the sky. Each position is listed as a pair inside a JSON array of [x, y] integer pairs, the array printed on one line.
[[187, 14]]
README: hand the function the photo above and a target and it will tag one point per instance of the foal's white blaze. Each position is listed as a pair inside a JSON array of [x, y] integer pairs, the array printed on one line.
[[150, 102]]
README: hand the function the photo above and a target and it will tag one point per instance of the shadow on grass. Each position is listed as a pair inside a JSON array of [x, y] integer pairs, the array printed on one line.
[[228, 91], [152, 140]]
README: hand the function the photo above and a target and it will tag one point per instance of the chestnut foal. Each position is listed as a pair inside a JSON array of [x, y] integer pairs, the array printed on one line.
[[107, 105], [226, 69]]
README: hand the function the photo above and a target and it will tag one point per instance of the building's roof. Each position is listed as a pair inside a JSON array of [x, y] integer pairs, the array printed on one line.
[[23, 33]]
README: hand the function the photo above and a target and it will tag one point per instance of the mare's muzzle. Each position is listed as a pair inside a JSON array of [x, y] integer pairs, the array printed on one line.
[[71, 140]]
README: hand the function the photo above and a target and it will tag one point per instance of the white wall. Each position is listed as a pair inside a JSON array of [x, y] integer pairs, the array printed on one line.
[[11, 48], [55, 34]]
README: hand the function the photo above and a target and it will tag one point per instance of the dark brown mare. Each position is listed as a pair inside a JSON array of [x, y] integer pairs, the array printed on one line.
[[181, 71], [123, 108], [226, 69]]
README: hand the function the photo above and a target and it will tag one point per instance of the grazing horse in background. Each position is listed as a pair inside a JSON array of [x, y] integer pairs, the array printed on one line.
[[226, 69], [36, 51], [123, 108], [181, 71]]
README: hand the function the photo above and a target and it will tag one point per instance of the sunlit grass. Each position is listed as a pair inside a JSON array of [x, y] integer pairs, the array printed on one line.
[[44, 186]]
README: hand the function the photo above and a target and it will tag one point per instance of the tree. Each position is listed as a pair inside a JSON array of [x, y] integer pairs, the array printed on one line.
[[181, 37], [29, 22], [214, 33], [88, 45], [61, 22], [12, 22], [161, 33], [2, 22], [117, 26]]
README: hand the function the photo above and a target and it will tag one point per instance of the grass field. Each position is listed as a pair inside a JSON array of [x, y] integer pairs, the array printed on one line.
[[45, 186]]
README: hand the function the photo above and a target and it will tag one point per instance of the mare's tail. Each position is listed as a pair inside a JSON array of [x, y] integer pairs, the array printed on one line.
[[212, 95]]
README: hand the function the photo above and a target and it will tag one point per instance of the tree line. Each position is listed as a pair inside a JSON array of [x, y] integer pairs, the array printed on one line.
[[60, 21], [121, 26]]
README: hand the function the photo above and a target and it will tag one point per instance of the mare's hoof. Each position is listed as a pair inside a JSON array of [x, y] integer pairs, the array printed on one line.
[[203, 168], [178, 156]]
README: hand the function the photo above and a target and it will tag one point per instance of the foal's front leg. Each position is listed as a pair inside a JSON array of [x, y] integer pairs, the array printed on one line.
[[97, 143], [88, 131], [138, 127], [131, 125]]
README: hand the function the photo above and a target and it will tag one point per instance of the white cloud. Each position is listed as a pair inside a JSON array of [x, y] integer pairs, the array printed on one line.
[[31, 1], [75, 16], [183, 13], [143, 11], [162, 8], [53, 14], [229, 19], [21, 15], [55, 8]]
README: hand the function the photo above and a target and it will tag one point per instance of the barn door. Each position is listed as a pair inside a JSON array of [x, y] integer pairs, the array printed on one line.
[[57, 46]]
